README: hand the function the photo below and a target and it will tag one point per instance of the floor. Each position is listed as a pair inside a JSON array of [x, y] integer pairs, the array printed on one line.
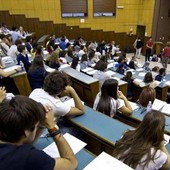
[[141, 60]]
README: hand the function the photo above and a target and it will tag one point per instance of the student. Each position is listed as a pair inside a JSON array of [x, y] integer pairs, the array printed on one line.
[[83, 61], [132, 63], [37, 73], [56, 83], [100, 74], [107, 101], [23, 57], [147, 94], [131, 82], [20, 118], [75, 64], [149, 79], [162, 73], [143, 148], [166, 55], [155, 71], [149, 47]]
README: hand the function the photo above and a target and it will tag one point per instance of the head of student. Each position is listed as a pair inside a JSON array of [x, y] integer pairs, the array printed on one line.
[[162, 72], [101, 65], [55, 83], [19, 119], [147, 94], [109, 90], [137, 143], [148, 77], [37, 62]]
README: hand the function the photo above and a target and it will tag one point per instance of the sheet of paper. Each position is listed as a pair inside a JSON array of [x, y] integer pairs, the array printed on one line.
[[158, 104], [139, 69], [110, 73], [87, 69], [138, 80], [167, 139], [141, 74], [75, 144], [116, 78], [91, 72], [110, 65], [106, 162], [48, 69], [168, 83], [166, 109], [10, 68]]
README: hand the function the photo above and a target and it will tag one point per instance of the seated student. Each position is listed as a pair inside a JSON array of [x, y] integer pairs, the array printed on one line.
[[162, 73], [107, 101], [23, 57], [37, 73], [75, 64], [28, 44], [54, 84], [91, 59], [8, 82], [20, 118], [100, 74], [147, 94], [131, 82], [120, 68], [155, 71], [149, 79], [83, 61], [132, 63], [53, 60], [143, 148]]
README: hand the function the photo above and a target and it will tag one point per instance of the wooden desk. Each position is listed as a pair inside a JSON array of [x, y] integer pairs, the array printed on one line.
[[86, 87], [103, 131], [22, 83]]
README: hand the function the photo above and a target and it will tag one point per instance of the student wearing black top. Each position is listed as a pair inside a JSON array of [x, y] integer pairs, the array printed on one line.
[[162, 73]]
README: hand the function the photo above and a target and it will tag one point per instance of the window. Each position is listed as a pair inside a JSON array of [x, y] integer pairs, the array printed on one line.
[[105, 8], [73, 8]]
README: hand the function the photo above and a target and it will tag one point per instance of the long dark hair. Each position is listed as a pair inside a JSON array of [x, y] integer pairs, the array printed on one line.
[[74, 62], [108, 91], [128, 76], [138, 143], [37, 62]]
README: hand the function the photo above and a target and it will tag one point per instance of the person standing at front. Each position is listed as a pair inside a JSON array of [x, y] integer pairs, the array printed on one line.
[[149, 47]]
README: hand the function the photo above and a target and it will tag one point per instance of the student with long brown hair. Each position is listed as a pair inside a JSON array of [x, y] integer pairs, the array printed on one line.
[[144, 148]]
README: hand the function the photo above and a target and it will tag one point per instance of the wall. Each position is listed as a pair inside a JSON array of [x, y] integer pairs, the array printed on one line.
[[135, 12]]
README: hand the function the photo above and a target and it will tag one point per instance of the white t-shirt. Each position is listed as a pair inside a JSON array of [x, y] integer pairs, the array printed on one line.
[[159, 160], [59, 108], [115, 104], [101, 76]]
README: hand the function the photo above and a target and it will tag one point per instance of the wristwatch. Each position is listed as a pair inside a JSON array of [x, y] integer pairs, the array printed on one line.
[[54, 131]]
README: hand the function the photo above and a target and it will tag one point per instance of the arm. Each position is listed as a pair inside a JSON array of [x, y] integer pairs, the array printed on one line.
[[67, 161], [2, 94], [79, 108], [127, 109], [167, 163], [6, 74]]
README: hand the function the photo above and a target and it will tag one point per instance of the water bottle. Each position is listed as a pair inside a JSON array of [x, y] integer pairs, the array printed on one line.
[[149, 107], [22, 66]]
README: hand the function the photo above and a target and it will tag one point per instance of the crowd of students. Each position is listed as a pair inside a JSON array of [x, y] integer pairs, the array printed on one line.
[[22, 118]]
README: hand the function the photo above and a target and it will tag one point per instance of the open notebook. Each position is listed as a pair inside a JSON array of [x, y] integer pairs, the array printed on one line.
[[106, 162]]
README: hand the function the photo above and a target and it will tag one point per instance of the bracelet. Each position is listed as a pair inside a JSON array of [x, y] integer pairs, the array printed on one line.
[[54, 132]]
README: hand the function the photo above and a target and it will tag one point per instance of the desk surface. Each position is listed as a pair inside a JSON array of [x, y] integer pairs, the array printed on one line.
[[83, 156], [79, 76], [101, 126]]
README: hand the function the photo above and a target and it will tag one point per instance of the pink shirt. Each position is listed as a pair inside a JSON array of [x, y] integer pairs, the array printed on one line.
[[166, 52]]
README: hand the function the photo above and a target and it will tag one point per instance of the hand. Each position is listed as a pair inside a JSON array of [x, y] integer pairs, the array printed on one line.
[[18, 68], [69, 90], [2, 94], [49, 118], [120, 95]]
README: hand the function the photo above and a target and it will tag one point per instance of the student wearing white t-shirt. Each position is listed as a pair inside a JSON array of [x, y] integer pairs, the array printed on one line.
[[56, 83], [107, 101]]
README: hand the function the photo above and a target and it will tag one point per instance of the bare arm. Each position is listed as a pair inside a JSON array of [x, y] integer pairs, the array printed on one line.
[[79, 108], [127, 109], [67, 161], [167, 163], [2, 94]]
